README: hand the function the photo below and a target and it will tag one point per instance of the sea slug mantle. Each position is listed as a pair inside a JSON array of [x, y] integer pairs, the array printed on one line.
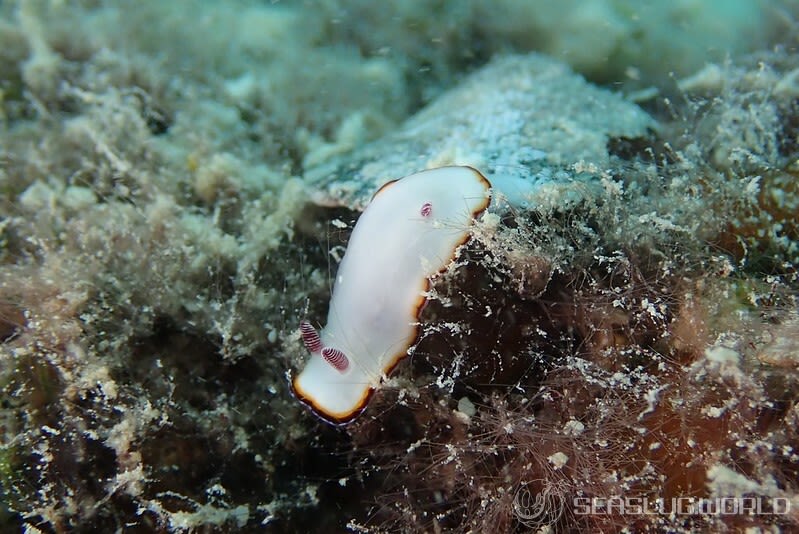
[[410, 231]]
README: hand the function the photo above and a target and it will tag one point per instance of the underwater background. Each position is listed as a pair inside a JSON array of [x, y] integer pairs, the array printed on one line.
[[178, 182]]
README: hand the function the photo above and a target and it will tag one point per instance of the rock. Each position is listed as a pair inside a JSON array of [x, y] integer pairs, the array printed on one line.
[[527, 116]]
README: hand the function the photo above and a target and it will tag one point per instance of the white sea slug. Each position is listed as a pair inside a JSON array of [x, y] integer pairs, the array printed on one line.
[[409, 232]]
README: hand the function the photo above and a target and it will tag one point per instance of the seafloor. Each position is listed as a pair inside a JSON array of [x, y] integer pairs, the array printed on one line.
[[178, 181]]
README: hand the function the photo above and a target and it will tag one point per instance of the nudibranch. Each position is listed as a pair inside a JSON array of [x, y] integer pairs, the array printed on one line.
[[410, 231]]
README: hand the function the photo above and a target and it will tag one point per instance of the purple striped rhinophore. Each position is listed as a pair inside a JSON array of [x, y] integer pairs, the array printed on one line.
[[336, 358], [310, 337]]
